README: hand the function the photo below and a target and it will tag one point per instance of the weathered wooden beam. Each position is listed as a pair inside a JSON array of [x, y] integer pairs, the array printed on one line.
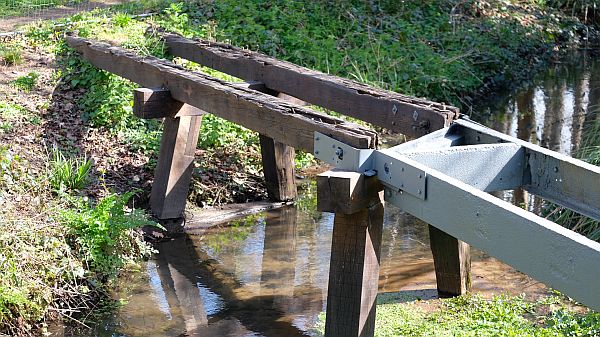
[[408, 115], [354, 273], [174, 168], [347, 192], [279, 169], [452, 260], [270, 116], [158, 103]]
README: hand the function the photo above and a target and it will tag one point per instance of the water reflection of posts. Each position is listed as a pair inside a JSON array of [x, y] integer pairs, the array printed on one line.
[[357, 202], [186, 291], [279, 258]]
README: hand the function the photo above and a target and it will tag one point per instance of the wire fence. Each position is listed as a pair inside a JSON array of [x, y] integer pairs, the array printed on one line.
[[14, 13]]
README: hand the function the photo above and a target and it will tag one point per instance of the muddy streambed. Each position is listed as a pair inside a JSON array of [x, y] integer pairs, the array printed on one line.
[[266, 275]]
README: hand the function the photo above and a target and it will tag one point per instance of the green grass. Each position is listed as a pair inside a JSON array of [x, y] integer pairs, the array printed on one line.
[[24, 7], [474, 316], [68, 174], [10, 55]]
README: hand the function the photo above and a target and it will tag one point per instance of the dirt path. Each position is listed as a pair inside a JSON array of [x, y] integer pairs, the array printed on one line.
[[10, 24]]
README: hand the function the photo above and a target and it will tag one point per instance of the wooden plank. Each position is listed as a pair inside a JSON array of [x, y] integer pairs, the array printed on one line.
[[452, 260], [548, 252], [270, 116], [408, 115], [279, 169], [346, 192], [354, 273], [174, 168], [158, 103]]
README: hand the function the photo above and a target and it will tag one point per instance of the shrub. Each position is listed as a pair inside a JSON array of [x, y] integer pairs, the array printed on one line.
[[104, 234]]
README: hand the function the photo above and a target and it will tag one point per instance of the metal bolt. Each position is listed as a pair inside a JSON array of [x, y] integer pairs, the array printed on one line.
[[478, 138], [339, 153], [402, 169], [317, 139], [415, 115], [394, 109], [420, 191], [476, 213], [316, 151], [555, 168], [420, 176], [386, 168], [333, 146]]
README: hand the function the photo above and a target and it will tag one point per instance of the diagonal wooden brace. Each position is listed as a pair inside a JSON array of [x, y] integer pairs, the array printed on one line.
[[176, 157]]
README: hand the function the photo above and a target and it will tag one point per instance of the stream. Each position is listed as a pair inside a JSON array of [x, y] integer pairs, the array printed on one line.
[[267, 275]]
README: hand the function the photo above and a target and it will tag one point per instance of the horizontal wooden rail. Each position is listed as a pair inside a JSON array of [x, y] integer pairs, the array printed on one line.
[[411, 116], [285, 122]]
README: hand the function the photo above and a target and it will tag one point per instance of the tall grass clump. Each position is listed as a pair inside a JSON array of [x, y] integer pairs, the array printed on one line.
[[69, 174], [10, 55]]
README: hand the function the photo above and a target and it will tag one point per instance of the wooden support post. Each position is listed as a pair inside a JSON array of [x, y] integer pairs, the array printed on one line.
[[175, 164], [278, 159], [279, 169], [452, 260], [355, 251], [177, 147]]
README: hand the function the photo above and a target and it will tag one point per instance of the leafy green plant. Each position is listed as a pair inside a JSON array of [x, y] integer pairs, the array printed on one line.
[[104, 235], [27, 82], [218, 132], [72, 174]]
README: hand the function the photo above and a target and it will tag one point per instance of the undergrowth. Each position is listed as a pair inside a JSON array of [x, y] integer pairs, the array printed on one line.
[[59, 253]]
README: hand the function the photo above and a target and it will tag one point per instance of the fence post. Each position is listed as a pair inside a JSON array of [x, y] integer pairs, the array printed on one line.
[[355, 251], [452, 260]]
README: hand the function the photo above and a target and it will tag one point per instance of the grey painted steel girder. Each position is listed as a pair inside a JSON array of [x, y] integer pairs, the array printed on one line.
[[443, 178]]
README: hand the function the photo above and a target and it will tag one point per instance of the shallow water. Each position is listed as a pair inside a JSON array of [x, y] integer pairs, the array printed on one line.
[[267, 276]]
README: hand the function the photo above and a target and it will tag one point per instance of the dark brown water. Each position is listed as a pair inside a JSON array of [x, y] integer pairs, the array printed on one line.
[[267, 275]]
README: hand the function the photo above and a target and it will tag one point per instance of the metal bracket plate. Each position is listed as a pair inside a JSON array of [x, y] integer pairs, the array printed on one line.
[[389, 167], [399, 175], [342, 155]]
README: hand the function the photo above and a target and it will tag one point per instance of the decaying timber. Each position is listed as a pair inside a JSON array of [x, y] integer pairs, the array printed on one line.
[[285, 122], [408, 115]]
